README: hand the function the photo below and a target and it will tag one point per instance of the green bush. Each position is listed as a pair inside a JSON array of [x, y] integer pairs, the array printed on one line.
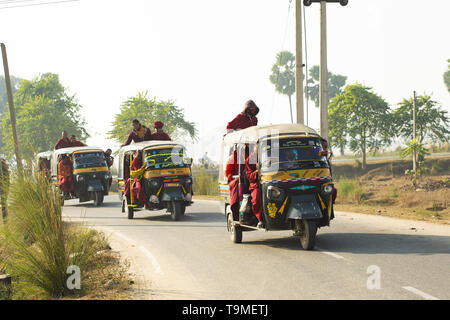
[[37, 247]]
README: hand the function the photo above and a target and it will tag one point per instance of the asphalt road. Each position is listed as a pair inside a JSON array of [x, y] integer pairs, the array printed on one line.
[[195, 259]]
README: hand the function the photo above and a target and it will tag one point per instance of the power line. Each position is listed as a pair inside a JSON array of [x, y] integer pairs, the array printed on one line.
[[36, 4], [282, 48]]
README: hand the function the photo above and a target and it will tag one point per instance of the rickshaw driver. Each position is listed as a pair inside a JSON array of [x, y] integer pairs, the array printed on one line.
[[109, 158], [251, 173], [137, 188]]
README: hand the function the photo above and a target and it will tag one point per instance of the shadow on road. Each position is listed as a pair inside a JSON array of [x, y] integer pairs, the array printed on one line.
[[90, 204], [366, 243], [197, 217]]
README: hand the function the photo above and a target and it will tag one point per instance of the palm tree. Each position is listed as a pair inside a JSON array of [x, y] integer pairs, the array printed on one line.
[[283, 75]]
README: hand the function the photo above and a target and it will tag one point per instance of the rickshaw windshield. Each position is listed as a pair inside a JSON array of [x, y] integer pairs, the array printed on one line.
[[164, 158], [88, 160], [291, 154]]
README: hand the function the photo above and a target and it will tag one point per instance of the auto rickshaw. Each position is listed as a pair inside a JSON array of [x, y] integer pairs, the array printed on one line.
[[295, 181], [43, 162], [90, 173], [166, 178]]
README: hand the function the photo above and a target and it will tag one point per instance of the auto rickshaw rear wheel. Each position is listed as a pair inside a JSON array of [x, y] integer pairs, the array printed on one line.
[[308, 234], [123, 205], [234, 230]]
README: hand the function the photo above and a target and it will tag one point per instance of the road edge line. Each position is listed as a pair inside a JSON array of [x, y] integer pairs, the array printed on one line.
[[420, 293]]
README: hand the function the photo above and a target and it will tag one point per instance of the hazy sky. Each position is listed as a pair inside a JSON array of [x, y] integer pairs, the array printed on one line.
[[210, 56]]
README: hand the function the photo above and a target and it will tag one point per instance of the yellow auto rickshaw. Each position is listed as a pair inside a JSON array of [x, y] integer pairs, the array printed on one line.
[[166, 177], [296, 186], [90, 173]]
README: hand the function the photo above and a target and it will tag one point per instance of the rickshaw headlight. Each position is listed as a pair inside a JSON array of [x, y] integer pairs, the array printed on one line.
[[80, 178], [188, 181], [328, 189], [107, 176], [273, 192]]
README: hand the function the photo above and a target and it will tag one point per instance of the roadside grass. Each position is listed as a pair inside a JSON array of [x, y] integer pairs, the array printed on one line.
[[396, 197], [205, 183], [352, 190], [37, 247]]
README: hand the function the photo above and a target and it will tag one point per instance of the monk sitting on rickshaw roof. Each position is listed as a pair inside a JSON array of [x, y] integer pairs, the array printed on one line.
[[139, 133]]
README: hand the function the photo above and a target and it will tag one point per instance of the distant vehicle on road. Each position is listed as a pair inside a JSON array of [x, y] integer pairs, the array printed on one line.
[[90, 174]]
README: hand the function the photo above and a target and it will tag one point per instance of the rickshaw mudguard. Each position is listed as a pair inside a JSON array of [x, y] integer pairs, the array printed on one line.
[[172, 194], [94, 185], [304, 206]]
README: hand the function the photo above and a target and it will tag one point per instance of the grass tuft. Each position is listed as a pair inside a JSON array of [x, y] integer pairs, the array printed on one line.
[[37, 247]]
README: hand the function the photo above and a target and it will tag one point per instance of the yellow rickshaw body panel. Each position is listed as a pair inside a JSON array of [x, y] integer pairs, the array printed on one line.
[[166, 172], [292, 174], [90, 170]]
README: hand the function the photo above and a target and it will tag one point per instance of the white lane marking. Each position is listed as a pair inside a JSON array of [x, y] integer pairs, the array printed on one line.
[[149, 255], [334, 255], [124, 237], [155, 263], [420, 293]]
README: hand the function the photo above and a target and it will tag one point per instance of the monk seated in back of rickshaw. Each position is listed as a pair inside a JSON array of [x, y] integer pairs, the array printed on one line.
[[251, 173], [135, 180], [65, 175]]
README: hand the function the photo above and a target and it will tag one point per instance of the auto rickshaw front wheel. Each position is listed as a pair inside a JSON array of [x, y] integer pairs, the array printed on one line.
[[234, 230], [98, 198], [177, 210], [308, 233], [130, 212]]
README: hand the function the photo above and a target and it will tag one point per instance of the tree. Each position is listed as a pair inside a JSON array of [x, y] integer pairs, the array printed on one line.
[[336, 84], [447, 76], [337, 124], [432, 121], [43, 110], [363, 117], [147, 111], [283, 75]]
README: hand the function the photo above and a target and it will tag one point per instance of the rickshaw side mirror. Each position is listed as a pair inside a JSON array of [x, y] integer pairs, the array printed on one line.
[[188, 161]]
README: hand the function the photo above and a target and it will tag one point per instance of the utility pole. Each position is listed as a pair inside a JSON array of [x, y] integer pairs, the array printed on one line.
[[323, 77], [414, 134], [299, 62], [11, 109]]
